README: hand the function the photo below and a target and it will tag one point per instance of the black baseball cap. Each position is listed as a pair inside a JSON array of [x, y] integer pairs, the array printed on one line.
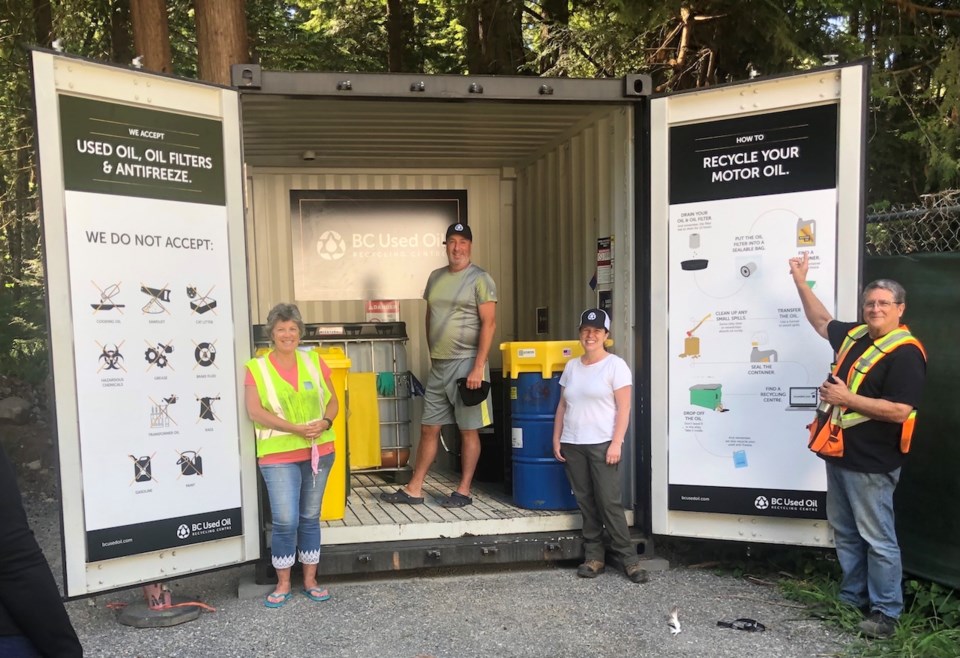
[[459, 229], [471, 397], [596, 318]]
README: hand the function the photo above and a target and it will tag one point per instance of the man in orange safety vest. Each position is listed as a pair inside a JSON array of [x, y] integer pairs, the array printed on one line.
[[863, 433]]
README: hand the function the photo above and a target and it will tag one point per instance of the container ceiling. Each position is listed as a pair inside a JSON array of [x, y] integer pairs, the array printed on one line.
[[277, 130]]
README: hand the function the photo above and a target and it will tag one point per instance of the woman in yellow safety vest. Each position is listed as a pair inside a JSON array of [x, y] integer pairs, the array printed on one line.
[[291, 400]]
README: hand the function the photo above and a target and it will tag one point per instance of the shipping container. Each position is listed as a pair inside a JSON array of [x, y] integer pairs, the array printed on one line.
[[545, 168]]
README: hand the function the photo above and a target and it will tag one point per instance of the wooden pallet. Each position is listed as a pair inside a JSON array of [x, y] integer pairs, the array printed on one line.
[[369, 519]]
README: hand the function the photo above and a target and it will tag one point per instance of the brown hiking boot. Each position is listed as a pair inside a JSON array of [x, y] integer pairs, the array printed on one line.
[[590, 569], [636, 573]]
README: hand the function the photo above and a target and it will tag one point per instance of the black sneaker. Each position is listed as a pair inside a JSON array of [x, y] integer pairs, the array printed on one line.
[[878, 625]]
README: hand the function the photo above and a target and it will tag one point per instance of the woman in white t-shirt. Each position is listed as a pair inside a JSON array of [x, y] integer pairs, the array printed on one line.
[[588, 433]]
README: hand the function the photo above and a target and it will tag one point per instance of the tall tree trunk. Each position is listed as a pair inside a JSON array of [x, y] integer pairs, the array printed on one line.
[[151, 34], [471, 21], [553, 32], [221, 38], [43, 22], [121, 45], [395, 36], [495, 24]]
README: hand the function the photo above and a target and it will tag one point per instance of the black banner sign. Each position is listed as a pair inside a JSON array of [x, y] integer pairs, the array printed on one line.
[[773, 153], [109, 148], [753, 502], [165, 533]]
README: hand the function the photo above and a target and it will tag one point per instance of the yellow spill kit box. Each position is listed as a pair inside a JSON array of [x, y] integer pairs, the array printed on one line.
[[545, 357]]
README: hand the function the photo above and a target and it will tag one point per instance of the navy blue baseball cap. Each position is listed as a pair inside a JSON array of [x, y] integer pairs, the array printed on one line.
[[459, 229], [596, 318]]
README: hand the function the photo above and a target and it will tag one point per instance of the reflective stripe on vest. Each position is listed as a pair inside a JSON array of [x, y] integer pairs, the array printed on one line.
[[267, 379], [858, 371]]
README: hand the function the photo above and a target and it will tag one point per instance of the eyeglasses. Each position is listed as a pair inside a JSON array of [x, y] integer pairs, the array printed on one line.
[[881, 303]]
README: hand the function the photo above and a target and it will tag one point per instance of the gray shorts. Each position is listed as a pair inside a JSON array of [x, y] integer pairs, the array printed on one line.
[[441, 402]]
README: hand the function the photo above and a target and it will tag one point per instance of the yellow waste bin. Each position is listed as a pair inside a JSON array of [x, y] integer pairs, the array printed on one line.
[[335, 495]]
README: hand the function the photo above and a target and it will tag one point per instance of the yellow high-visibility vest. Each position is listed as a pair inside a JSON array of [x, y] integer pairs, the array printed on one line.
[[299, 407]]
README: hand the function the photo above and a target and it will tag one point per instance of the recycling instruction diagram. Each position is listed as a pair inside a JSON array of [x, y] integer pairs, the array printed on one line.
[[747, 194]]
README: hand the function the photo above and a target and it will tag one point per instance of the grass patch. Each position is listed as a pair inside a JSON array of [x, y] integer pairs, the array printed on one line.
[[929, 626]]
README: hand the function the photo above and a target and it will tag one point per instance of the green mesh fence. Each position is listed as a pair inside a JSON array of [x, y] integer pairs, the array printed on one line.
[[928, 516]]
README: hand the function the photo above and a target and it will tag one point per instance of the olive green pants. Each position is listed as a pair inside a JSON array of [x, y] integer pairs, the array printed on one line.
[[596, 486]]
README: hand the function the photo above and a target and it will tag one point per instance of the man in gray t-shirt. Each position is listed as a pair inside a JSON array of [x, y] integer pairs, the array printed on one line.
[[461, 320]]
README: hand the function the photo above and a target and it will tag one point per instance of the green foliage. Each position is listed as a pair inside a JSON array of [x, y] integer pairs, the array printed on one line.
[[350, 35], [183, 37], [938, 603], [23, 335], [915, 99]]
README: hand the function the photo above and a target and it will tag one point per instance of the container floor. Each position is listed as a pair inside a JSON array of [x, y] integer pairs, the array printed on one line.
[[368, 519]]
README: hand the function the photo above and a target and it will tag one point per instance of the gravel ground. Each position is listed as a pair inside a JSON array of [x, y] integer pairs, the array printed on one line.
[[546, 611]]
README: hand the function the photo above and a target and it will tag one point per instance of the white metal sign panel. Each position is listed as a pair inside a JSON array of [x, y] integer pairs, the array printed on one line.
[[149, 322], [753, 177]]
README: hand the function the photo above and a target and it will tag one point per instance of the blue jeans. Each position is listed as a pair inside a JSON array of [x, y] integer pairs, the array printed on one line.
[[295, 500], [17, 646], [860, 509]]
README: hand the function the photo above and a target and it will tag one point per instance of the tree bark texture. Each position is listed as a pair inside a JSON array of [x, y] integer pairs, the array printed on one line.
[[151, 34], [121, 44], [43, 22], [471, 22], [394, 36], [221, 38]]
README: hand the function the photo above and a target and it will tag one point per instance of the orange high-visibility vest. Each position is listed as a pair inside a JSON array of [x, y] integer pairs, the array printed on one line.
[[826, 430]]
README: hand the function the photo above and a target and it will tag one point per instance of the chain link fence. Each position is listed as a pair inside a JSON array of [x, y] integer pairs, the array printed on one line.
[[929, 227]]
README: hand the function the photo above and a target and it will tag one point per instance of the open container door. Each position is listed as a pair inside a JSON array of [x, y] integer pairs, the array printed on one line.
[[753, 174], [146, 282]]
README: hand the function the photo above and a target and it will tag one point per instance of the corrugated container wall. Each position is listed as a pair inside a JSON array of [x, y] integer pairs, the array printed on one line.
[[567, 198]]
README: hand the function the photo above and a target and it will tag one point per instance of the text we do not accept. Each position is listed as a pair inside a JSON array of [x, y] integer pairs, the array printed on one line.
[[150, 240]]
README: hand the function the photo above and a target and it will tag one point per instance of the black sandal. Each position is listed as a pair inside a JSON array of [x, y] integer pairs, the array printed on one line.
[[401, 497], [456, 499]]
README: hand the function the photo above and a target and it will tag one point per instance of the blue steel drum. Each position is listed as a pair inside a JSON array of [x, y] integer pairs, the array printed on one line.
[[539, 480]]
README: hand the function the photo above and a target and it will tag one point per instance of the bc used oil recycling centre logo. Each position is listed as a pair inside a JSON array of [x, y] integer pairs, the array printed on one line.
[[331, 246], [786, 504]]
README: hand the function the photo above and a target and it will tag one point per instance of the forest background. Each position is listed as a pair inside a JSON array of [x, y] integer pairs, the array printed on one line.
[[913, 48]]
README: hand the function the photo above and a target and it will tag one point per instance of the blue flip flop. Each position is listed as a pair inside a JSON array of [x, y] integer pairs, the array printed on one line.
[[277, 604], [318, 594]]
